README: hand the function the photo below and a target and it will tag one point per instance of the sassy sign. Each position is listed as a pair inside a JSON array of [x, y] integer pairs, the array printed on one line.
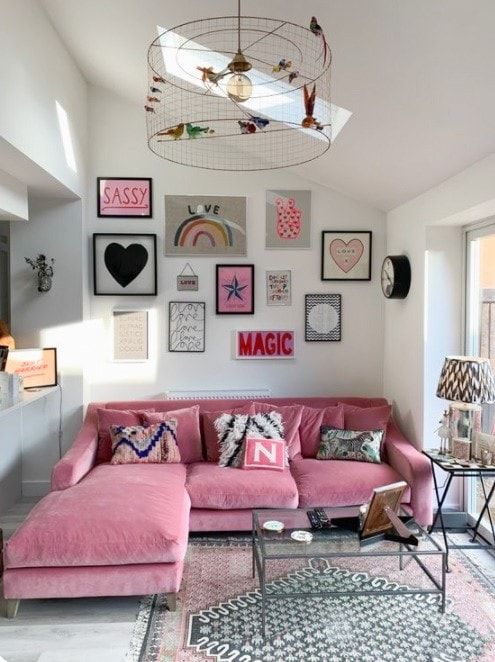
[[264, 345], [124, 197]]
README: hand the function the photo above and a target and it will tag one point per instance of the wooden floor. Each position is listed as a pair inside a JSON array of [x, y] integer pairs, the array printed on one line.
[[92, 629], [76, 630]]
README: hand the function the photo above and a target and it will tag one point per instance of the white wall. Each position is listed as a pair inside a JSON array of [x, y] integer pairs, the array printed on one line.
[[36, 71], [13, 198], [427, 326], [54, 318], [353, 366]]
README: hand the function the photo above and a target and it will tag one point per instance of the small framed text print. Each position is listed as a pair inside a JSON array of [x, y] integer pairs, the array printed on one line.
[[278, 288], [235, 289], [323, 317], [119, 197], [345, 255], [186, 326], [130, 335], [124, 264]]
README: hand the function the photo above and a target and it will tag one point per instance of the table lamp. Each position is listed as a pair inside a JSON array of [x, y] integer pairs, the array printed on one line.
[[467, 381]]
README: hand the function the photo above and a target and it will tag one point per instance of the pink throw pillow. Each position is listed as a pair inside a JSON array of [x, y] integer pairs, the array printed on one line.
[[261, 453], [188, 430], [210, 434], [291, 420], [136, 444], [366, 418], [312, 420], [108, 417]]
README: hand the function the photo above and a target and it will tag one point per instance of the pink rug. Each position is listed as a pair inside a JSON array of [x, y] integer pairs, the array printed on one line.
[[219, 613]]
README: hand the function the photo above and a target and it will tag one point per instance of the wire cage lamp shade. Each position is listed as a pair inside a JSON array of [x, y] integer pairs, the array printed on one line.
[[239, 93]]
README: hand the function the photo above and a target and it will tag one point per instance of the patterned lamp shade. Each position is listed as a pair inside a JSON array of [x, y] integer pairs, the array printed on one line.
[[467, 379]]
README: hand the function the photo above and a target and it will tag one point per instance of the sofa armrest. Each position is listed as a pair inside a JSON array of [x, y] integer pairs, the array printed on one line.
[[415, 469], [81, 456]]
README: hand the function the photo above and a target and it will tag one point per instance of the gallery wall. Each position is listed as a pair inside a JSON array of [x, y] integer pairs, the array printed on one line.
[[352, 366]]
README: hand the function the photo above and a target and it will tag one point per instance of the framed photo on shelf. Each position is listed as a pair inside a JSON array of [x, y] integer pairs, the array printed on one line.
[[346, 255], [186, 326], [323, 317], [120, 197], [234, 289], [278, 288], [124, 264], [37, 367]]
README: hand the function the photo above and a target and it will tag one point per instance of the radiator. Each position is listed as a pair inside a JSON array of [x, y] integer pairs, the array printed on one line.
[[218, 394]]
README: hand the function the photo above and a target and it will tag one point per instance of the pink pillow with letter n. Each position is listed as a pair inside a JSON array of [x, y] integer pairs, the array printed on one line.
[[311, 421], [188, 431], [108, 417], [261, 453]]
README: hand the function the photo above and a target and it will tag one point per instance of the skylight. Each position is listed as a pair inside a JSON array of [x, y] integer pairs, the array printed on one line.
[[63, 123]]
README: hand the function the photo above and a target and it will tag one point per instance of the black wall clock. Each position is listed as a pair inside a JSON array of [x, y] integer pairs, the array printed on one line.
[[396, 276]]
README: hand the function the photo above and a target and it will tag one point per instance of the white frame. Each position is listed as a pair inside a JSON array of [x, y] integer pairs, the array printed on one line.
[[470, 333], [131, 310]]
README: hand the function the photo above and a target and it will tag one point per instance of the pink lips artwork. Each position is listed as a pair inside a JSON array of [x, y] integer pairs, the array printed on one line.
[[346, 255]]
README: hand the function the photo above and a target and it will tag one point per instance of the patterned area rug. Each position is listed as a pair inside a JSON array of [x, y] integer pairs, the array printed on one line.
[[219, 615]]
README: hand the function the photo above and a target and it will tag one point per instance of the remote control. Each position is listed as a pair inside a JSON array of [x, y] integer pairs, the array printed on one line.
[[313, 520], [323, 517]]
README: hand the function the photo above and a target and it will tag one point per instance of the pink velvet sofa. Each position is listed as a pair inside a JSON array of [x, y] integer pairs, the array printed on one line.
[[123, 529]]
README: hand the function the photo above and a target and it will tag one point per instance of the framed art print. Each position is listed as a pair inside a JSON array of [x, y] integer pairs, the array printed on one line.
[[205, 225], [235, 289], [323, 315], [278, 288], [119, 197], [130, 335], [288, 219], [345, 255], [269, 345], [37, 367], [124, 264], [186, 326]]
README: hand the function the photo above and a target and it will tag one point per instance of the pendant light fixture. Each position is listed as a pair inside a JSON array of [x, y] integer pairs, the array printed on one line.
[[239, 93]]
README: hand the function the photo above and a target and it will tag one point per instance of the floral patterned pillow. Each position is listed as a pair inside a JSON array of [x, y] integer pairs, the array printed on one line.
[[360, 446], [137, 445]]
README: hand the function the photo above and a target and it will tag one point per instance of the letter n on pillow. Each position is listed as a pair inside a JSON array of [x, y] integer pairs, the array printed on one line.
[[260, 453]]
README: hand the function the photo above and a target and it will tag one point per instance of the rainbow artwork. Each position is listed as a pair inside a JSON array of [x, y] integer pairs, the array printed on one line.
[[205, 225]]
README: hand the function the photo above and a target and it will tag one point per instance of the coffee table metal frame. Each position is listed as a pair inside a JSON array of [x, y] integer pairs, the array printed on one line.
[[260, 557]]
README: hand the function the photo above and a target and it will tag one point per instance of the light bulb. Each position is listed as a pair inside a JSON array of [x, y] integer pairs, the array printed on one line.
[[239, 87]]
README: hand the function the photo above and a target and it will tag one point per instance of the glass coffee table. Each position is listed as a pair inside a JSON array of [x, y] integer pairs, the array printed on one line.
[[337, 542]]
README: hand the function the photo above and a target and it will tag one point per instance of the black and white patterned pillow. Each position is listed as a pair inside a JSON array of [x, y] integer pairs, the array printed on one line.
[[232, 431]]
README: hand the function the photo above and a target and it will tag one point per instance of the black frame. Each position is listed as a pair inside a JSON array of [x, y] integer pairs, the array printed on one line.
[[55, 366], [234, 312], [96, 235], [323, 296], [143, 179], [188, 351], [337, 232]]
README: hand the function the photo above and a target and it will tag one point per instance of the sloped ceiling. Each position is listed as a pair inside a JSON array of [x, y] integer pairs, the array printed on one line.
[[418, 76]]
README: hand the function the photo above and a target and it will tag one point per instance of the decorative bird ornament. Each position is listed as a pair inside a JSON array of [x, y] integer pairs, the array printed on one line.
[[175, 132], [317, 30], [153, 99], [149, 109], [246, 127], [309, 105], [195, 131], [259, 122], [210, 76], [293, 75], [158, 79], [155, 90], [283, 65]]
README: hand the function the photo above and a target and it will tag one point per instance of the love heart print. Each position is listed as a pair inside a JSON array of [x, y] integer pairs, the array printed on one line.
[[346, 254]]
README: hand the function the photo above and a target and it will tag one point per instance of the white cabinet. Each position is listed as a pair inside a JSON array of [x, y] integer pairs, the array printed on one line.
[[29, 445]]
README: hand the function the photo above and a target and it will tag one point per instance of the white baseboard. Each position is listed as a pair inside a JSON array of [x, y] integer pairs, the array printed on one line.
[[35, 488]]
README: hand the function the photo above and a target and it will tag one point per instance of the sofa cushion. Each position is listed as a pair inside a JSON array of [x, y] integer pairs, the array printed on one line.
[[311, 421], [366, 418], [140, 445], [350, 445], [108, 417], [210, 434], [188, 430], [339, 482], [211, 486], [291, 419], [117, 515]]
